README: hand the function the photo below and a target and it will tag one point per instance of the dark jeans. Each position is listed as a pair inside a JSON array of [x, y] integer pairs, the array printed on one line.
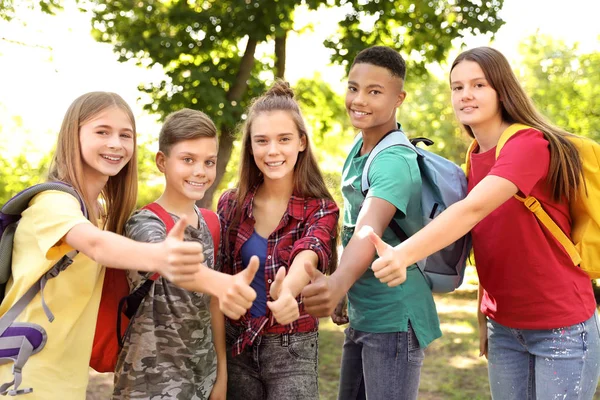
[[380, 366], [276, 367]]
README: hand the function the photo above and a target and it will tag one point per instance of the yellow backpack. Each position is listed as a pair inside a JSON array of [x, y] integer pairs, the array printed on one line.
[[584, 247]]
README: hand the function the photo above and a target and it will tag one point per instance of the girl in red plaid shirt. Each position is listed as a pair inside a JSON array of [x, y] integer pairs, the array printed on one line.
[[282, 212]]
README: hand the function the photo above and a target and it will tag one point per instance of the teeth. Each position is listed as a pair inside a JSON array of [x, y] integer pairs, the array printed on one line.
[[195, 183], [112, 158], [360, 113], [276, 164]]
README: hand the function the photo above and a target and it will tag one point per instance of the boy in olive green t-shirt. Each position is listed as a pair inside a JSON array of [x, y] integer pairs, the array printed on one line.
[[389, 327]]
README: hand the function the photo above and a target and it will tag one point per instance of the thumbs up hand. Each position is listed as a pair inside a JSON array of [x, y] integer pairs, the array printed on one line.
[[389, 267], [320, 295], [285, 307], [182, 260], [236, 295]]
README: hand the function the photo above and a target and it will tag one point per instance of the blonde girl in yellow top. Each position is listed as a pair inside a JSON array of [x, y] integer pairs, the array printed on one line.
[[96, 155]]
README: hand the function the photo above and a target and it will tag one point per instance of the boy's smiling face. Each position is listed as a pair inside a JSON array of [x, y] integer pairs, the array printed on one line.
[[372, 98], [190, 168]]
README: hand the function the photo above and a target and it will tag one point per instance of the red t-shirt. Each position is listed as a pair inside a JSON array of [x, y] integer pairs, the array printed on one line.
[[529, 280]]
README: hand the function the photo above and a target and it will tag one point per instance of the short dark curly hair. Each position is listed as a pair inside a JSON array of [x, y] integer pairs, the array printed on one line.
[[384, 57]]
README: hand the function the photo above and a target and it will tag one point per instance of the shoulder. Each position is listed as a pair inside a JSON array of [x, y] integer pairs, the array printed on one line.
[[227, 200], [143, 225], [397, 155], [315, 205], [530, 135], [55, 198], [526, 141]]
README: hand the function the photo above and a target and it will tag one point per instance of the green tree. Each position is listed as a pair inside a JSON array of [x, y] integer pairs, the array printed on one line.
[[563, 83], [8, 12], [208, 48]]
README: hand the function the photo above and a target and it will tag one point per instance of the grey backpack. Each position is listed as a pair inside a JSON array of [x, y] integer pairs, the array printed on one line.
[[444, 183], [18, 341]]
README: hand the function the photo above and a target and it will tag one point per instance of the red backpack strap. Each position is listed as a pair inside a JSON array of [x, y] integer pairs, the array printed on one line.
[[214, 226], [165, 217]]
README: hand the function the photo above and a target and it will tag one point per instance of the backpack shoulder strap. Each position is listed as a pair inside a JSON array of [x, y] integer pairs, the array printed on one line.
[[165, 217], [214, 226], [19, 202], [507, 134], [535, 206], [161, 213], [392, 138]]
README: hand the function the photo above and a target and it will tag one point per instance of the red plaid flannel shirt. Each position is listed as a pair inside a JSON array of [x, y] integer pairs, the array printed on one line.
[[307, 224]]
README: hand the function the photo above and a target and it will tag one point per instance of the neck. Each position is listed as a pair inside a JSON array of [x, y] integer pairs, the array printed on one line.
[[487, 136], [372, 136], [93, 188], [280, 189], [176, 204]]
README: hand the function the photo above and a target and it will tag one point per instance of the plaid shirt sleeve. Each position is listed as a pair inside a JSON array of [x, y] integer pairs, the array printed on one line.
[[321, 223]]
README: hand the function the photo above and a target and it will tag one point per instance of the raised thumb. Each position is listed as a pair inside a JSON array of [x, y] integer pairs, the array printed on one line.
[[179, 229], [379, 244], [312, 272], [250, 271]]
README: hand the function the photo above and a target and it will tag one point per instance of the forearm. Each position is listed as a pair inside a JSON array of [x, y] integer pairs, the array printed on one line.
[[218, 330], [356, 259], [444, 230], [480, 316], [208, 281], [110, 249], [297, 277]]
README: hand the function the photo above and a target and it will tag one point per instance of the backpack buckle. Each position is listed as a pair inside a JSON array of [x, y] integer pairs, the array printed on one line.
[[532, 204]]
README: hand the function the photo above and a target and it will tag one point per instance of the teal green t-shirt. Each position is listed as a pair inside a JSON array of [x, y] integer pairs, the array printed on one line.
[[373, 306]]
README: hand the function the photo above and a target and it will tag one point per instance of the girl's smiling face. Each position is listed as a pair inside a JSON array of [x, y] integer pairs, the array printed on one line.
[[276, 144], [107, 143]]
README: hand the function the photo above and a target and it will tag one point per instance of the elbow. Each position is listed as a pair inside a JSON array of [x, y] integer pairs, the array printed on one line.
[[94, 248], [473, 212]]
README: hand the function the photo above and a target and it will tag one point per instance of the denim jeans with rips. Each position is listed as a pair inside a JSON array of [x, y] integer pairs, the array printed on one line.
[[275, 367], [562, 363], [379, 366]]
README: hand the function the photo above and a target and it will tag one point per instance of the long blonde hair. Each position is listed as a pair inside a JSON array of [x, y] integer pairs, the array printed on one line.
[[564, 174], [120, 192], [308, 179]]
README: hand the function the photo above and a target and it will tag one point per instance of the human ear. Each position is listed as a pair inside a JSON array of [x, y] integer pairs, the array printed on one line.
[[302, 143], [401, 97], [160, 161]]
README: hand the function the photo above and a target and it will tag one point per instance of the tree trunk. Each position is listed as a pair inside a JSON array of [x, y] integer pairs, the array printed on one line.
[[227, 135], [280, 42]]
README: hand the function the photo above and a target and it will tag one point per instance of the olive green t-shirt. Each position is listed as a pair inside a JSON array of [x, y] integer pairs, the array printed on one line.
[[373, 306]]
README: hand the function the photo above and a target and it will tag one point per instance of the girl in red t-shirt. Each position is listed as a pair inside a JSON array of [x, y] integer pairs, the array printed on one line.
[[538, 324]]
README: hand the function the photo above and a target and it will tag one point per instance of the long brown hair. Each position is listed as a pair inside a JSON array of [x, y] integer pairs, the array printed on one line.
[[308, 180], [564, 174], [120, 192]]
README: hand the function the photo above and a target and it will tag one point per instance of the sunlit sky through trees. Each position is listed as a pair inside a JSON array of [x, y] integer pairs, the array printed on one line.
[[47, 61]]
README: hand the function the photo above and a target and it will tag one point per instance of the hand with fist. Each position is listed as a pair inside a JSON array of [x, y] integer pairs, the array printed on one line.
[[235, 294], [389, 267], [321, 295], [182, 260], [285, 307]]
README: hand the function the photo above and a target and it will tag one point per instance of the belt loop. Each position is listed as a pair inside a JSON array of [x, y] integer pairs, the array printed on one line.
[[285, 340]]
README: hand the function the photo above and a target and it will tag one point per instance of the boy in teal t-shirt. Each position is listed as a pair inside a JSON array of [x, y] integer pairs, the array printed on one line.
[[389, 327]]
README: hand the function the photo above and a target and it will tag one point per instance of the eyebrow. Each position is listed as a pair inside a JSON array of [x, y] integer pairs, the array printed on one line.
[[470, 80], [110, 127], [373, 85], [261, 135], [187, 153]]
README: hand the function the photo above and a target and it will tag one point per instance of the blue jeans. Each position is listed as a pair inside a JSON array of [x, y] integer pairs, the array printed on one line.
[[562, 363], [378, 366], [275, 367]]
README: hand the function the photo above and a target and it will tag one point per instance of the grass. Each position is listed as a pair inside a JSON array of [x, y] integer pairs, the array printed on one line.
[[452, 369]]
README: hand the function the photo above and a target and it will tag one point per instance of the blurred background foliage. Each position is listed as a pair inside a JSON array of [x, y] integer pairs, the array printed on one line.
[[563, 82]]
